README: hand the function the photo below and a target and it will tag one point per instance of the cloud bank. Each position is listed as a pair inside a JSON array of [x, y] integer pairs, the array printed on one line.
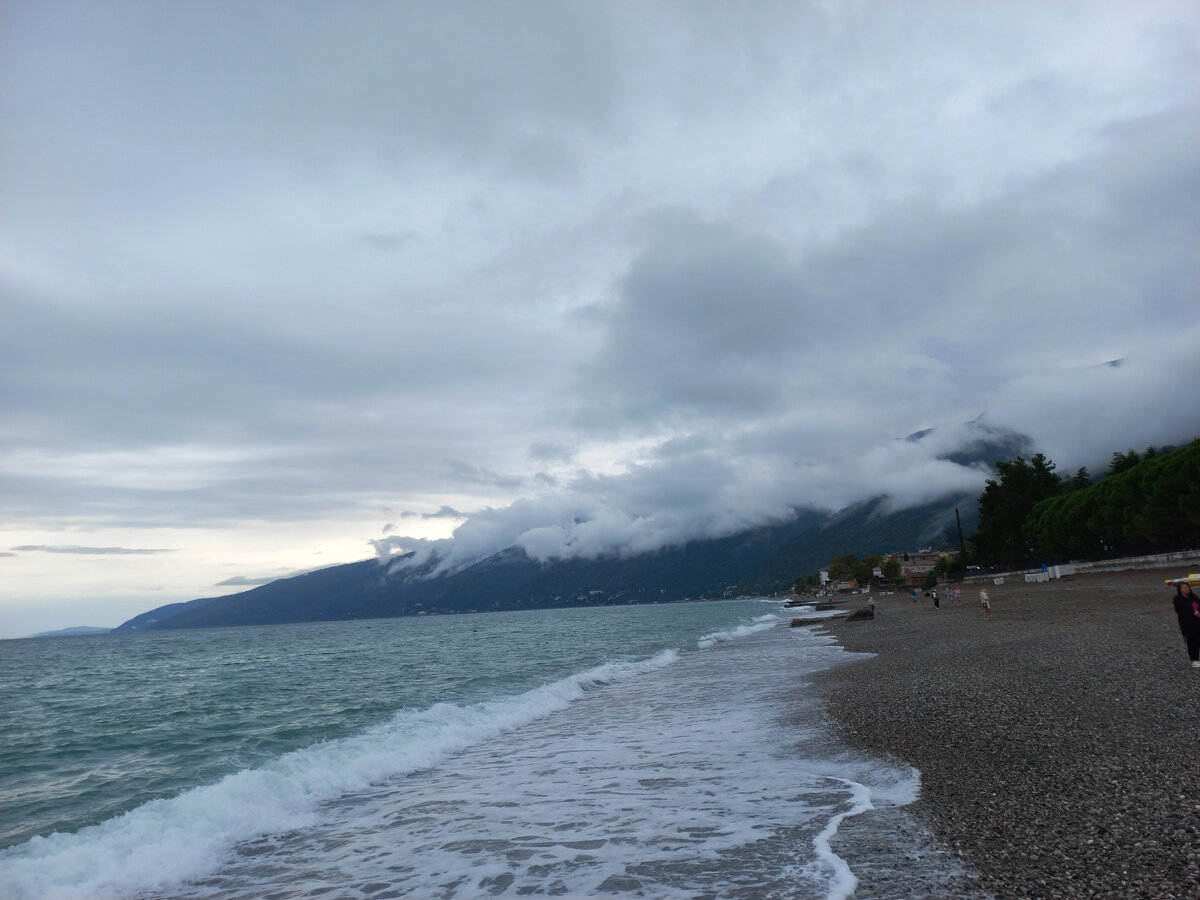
[[86, 551], [576, 278]]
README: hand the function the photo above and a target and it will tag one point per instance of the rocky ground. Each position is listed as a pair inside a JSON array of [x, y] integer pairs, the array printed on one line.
[[1058, 742]]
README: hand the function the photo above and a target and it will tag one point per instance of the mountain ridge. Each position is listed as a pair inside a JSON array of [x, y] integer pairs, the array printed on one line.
[[761, 560]]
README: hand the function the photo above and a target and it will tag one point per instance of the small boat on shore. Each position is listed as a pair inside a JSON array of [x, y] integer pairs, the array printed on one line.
[[1193, 579]]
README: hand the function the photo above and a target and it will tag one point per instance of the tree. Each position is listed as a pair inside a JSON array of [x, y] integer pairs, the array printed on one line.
[[893, 571], [1147, 506], [1005, 504], [807, 583], [1122, 462], [842, 568], [1078, 481]]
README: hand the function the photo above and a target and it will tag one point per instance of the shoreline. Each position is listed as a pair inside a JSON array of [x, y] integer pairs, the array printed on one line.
[[1058, 742]]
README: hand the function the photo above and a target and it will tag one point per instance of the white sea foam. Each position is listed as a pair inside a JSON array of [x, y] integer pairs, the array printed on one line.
[[668, 777], [866, 785], [843, 881], [168, 841], [760, 623], [679, 783]]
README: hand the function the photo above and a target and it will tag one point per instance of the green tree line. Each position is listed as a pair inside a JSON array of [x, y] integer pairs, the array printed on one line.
[[1153, 502], [1144, 502]]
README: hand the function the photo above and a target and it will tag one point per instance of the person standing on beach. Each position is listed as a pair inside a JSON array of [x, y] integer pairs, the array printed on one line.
[[1187, 609], [936, 603], [986, 603]]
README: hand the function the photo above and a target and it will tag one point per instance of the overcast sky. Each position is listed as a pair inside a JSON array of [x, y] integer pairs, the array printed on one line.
[[283, 279]]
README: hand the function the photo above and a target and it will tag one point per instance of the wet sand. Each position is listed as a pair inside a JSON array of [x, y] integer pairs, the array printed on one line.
[[1058, 742]]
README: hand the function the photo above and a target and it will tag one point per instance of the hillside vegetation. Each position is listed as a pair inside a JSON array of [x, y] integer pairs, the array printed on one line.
[[1144, 504], [1152, 505]]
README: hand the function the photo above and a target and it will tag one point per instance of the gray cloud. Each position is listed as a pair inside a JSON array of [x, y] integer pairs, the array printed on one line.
[[86, 551], [912, 309], [547, 452], [388, 242], [466, 473], [444, 513], [703, 314], [712, 327]]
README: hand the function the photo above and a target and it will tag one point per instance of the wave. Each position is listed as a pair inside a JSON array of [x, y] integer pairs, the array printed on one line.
[[173, 840], [760, 623]]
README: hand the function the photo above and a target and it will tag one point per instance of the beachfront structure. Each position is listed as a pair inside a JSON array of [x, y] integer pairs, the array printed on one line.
[[915, 565]]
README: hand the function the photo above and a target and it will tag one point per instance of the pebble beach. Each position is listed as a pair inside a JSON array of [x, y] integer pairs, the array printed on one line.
[[1058, 741]]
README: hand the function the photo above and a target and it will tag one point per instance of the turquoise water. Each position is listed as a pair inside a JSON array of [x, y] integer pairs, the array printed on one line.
[[619, 750]]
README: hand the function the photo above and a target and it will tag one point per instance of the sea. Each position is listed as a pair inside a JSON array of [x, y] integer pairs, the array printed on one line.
[[667, 750]]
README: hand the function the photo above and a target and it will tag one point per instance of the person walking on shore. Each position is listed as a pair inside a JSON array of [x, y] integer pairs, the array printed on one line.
[[936, 603], [1187, 609], [986, 603]]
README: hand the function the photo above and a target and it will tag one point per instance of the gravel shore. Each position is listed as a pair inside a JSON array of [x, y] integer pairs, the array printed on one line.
[[1058, 742]]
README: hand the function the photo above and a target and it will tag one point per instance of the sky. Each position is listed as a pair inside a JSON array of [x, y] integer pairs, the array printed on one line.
[[290, 283]]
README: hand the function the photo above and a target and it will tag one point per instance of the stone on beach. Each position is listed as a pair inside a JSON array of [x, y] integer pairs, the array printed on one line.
[[1058, 741]]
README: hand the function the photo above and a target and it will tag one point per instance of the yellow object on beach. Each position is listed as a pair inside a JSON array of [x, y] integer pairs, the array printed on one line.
[[1187, 579]]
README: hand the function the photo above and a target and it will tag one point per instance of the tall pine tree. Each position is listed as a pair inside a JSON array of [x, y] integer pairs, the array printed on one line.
[[1005, 504]]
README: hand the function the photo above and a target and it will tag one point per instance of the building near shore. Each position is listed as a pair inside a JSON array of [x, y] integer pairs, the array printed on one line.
[[916, 565]]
